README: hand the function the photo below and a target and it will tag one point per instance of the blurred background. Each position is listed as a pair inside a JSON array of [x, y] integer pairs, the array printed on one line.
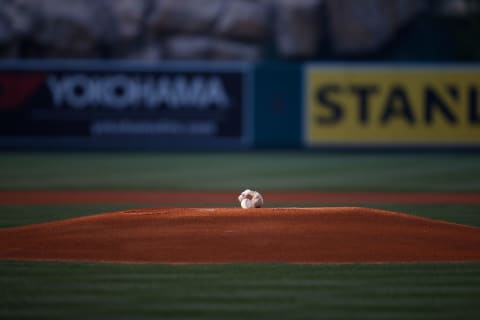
[[268, 81], [373, 102], [238, 74], [251, 30]]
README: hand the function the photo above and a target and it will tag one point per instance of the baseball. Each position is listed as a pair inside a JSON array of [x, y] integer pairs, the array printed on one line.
[[246, 203], [250, 199]]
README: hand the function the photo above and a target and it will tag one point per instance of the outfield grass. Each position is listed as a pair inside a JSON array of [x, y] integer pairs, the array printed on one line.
[[236, 291], [17, 215], [457, 213], [256, 291], [235, 171]]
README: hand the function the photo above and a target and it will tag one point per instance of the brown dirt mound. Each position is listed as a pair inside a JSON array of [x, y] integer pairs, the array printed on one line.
[[221, 235]]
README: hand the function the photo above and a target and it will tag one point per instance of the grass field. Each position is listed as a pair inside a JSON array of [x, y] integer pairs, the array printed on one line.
[[265, 291], [99, 291]]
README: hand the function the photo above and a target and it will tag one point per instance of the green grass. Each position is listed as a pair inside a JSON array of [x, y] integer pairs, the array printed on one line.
[[463, 214], [17, 215], [256, 291], [52, 290], [235, 171]]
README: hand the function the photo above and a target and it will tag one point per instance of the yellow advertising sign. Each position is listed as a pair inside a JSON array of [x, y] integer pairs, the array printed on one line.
[[392, 105]]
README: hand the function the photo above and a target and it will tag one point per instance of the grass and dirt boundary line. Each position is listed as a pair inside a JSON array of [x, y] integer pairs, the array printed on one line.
[[41, 197]]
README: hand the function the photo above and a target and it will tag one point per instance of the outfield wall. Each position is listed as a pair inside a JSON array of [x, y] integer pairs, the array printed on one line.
[[115, 104], [233, 105], [391, 106]]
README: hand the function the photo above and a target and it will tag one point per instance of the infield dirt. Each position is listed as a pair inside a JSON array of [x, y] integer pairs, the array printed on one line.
[[226, 235]]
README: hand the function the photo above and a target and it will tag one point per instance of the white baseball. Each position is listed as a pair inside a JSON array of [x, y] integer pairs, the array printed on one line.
[[246, 203], [250, 199], [257, 200]]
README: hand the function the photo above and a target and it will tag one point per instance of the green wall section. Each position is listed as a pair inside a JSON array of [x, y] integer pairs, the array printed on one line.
[[278, 105]]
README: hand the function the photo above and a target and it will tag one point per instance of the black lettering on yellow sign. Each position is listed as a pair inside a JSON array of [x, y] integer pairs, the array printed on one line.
[[434, 102], [363, 94], [397, 104], [474, 113], [325, 96]]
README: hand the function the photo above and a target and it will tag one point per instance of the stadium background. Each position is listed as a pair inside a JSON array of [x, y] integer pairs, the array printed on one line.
[[272, 44]]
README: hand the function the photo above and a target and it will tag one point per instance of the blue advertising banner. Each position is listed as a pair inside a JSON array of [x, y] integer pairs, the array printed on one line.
[[125, 105]]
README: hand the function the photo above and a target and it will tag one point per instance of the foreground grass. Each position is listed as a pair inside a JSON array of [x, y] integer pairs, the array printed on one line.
[[261, 291]]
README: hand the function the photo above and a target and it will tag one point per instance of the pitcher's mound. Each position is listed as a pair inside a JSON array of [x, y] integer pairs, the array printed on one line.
[[301, 235]]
